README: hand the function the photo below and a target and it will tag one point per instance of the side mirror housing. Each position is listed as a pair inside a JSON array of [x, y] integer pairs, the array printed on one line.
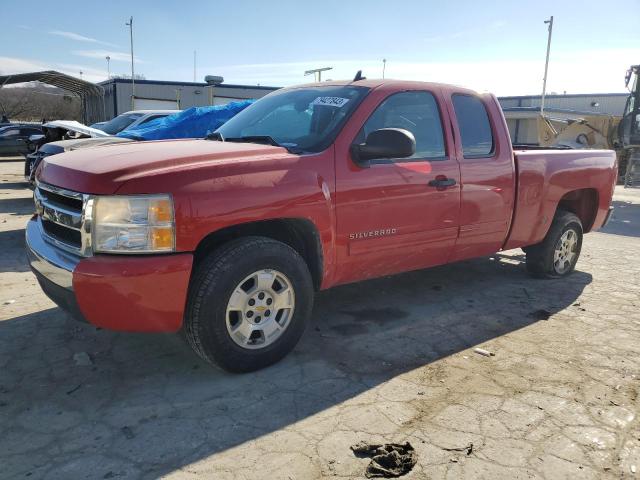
[[384, 143]]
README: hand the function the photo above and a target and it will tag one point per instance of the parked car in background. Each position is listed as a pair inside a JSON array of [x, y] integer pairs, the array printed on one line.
[[132, 119], [62, 135], [195, 122], [13, 138]]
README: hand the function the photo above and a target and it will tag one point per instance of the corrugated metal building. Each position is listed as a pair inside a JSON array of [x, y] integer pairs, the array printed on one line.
[[164, 95], [522, 112]]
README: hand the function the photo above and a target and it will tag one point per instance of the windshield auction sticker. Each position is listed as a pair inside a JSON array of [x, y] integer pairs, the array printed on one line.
[[330, 101]]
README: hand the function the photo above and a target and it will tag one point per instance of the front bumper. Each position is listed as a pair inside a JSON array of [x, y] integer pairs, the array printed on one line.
[[137, 293], [53, 269]]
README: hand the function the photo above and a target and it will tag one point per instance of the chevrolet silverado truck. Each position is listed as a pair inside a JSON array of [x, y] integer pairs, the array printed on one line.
[[226, 239]]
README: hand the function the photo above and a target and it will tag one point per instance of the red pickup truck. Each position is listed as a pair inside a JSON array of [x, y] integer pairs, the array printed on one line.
[[226, 238]]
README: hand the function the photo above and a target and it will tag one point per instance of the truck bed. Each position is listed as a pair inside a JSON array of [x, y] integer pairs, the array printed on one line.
[[545, 176]]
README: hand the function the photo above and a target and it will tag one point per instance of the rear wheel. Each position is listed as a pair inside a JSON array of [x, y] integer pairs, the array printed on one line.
[[248, 304], [556, 256]]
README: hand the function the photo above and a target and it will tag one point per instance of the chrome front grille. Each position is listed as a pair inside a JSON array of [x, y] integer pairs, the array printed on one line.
[[65, 217]]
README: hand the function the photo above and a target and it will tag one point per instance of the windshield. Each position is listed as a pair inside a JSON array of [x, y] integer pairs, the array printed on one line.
[[301, 119], [119, 123]]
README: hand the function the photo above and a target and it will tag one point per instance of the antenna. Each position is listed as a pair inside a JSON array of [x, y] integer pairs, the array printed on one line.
[[359, 76]]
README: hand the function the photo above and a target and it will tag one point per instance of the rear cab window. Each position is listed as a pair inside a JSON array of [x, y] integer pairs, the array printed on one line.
[[474, 125]]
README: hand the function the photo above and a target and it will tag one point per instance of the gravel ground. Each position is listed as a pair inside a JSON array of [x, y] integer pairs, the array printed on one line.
[[389, 360]]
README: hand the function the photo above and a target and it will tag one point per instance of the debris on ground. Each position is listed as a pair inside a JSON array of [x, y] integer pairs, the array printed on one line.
[[82, 359], [484, 352], [541, 314], [388, 460], [128, 433], [468, 450], [75, 389], [9, 302]]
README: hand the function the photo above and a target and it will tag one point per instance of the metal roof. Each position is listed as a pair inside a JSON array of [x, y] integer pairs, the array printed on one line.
[[186, 84], [51, 77], [91, 95]]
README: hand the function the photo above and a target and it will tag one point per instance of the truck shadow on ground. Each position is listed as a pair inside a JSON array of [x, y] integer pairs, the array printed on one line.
[[144, 405], [625, 219]]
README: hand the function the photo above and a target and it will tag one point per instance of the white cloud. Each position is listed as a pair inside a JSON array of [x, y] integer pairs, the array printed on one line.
[[495, 25], [79, 38], [588, 71], [101, 54]]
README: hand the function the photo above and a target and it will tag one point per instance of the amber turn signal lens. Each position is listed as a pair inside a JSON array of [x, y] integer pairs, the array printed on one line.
[[162, 238], [160, 211]]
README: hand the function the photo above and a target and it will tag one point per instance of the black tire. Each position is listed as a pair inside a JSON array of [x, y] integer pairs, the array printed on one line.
[[540, 257], [214, 280]]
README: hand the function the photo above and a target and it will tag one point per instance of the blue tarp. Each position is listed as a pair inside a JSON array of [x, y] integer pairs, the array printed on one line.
[[195, 122]]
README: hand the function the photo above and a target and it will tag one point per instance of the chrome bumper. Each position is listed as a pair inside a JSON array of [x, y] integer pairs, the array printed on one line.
[[52, 263]]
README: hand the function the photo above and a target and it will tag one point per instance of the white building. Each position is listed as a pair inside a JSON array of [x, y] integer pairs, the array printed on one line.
[[165, 95]]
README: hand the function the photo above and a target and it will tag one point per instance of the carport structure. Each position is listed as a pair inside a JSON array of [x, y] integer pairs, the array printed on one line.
[[91, 95]]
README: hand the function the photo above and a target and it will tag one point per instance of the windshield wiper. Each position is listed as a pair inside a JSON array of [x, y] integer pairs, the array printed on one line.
[[266, 139], [263, 139]]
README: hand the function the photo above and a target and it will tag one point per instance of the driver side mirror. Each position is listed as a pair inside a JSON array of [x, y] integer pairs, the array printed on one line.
[[384, 143]]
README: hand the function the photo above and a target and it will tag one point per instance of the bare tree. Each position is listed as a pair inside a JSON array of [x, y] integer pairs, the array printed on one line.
[[35, 104]]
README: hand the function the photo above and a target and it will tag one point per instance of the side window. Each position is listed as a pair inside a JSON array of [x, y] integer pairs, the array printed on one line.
[[14, 132], [153, 117], [414, 111], [475, 129]]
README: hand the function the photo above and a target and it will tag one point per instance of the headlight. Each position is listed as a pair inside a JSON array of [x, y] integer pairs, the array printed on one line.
[[133, 224]]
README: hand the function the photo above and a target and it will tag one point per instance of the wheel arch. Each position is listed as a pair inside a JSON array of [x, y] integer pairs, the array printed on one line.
[[583, 203], [300, 234]]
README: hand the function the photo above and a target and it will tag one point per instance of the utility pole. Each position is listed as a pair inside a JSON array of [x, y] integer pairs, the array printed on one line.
[[384, 65], [108, 58], [194, 66], [546, 64], [133, 80]]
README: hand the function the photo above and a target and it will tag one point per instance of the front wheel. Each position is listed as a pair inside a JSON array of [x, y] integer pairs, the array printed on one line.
[[248, 305], [556, 256]]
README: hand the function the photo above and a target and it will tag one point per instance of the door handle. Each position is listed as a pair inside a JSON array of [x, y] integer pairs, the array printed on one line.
[[442, 182]]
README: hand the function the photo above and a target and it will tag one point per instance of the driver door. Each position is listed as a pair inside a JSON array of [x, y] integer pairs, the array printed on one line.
[[393, 216]]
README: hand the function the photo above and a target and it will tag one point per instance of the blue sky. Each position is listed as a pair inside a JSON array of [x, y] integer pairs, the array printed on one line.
[[491, 46]]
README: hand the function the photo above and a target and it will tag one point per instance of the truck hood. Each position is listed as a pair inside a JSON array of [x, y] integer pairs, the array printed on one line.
[[102, 170]]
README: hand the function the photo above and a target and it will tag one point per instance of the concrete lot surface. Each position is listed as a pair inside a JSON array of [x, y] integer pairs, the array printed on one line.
[[386, 360]]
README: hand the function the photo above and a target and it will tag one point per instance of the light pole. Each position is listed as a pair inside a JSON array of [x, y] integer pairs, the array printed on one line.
[[384, 66], [546, 64], [108, 58], [80, 74], [133, 81], [317, 71]]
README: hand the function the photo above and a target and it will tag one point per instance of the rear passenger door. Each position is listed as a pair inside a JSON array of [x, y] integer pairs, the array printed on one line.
[[391, 216], [487, 174]]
